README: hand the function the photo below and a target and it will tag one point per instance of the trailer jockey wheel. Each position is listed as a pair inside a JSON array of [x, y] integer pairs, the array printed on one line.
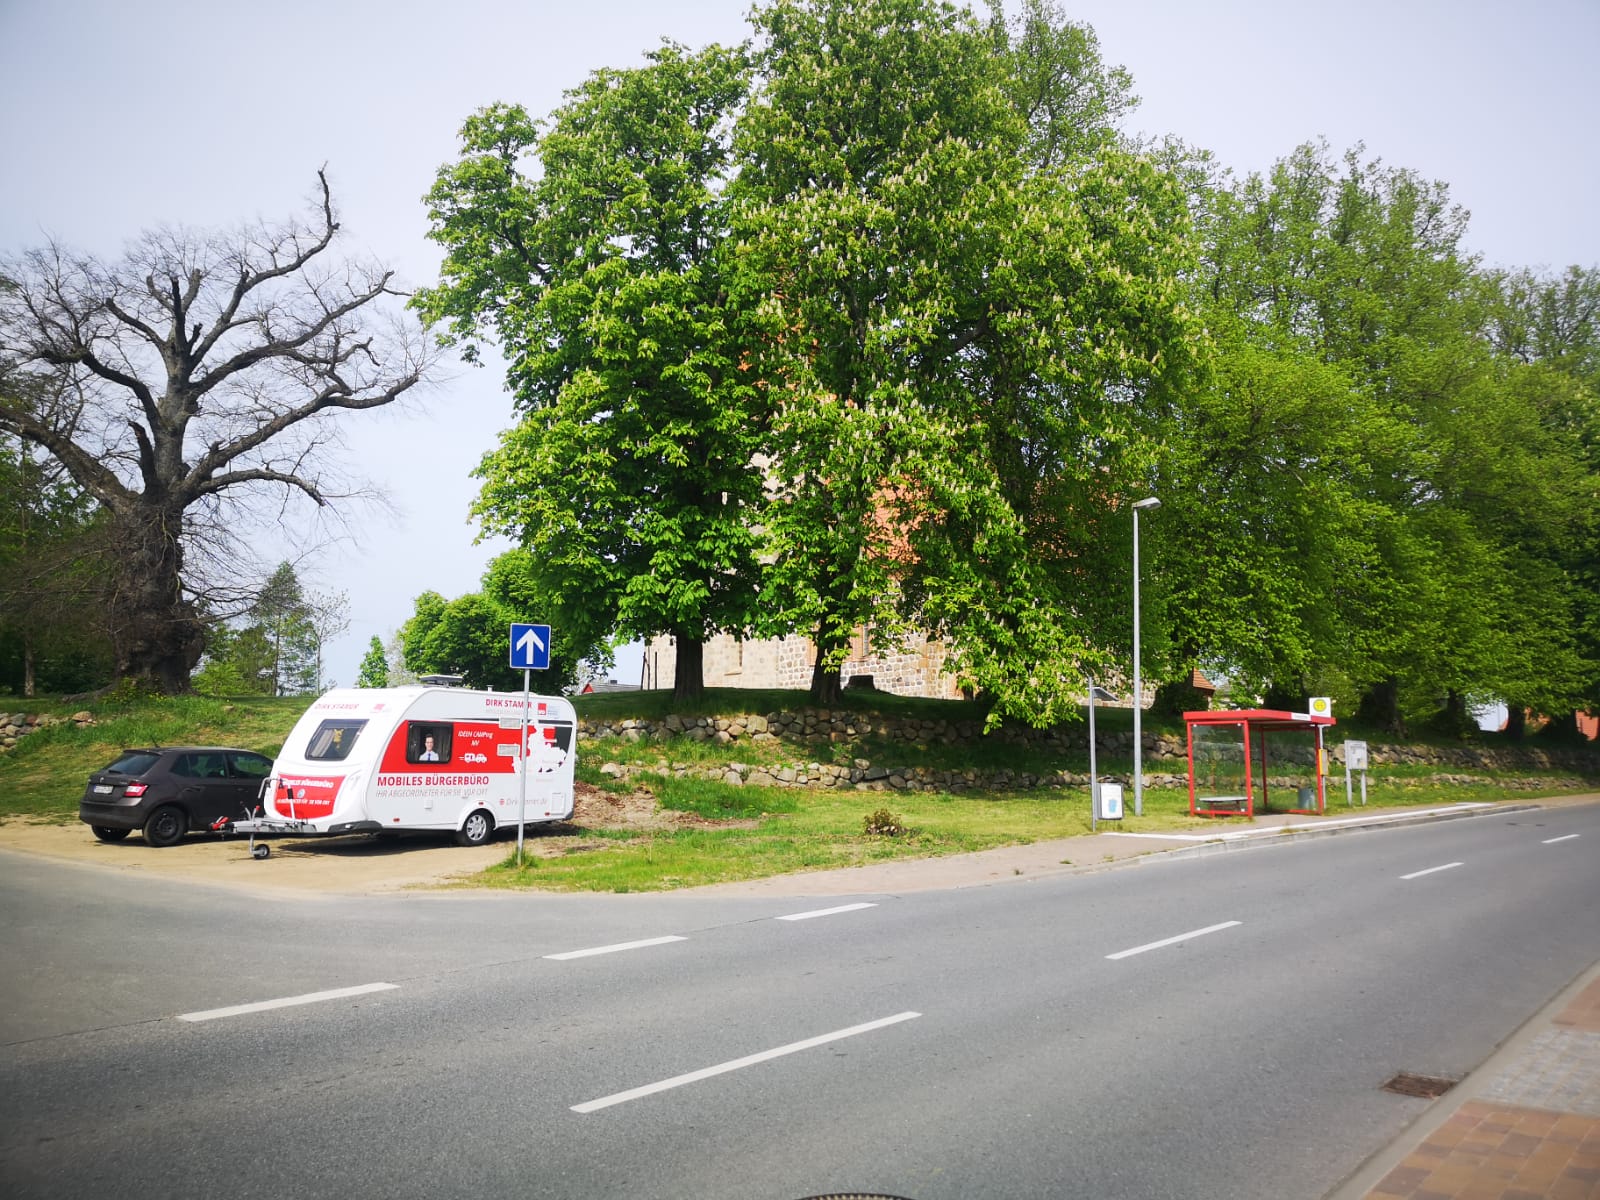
[[261, 851]]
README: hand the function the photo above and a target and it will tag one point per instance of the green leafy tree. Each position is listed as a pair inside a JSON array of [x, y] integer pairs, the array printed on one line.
[[238, 662], [961, 316], [468, 636], [632, 472], [1071, 99], [374, 666], [52, 633], [464, 637], [1366, 492], [394, 653], [297, 624], [1546, 328], [281, 613]]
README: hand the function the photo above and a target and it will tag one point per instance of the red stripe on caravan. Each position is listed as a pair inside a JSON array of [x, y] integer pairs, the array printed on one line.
[[306, 797]]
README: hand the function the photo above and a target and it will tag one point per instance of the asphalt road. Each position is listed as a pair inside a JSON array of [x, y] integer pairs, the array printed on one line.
[[1215, 1026]]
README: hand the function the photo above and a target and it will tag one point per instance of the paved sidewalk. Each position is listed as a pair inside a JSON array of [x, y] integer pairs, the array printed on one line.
[[1524, 1126]]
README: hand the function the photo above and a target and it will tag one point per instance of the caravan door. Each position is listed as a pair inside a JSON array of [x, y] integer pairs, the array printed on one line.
[[419, 781]]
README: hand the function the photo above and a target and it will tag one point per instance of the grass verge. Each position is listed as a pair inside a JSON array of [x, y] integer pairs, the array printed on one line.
[[784, 831]]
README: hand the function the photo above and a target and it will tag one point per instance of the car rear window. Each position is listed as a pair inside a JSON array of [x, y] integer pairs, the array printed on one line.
[[250, 766], [333, 740], [134, 762], [200, 766]]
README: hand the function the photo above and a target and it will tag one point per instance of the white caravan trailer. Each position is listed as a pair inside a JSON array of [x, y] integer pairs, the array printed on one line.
[[366, 760]]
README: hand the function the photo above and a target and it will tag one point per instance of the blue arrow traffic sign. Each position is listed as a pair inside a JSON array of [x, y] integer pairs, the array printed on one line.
[[530, 647]]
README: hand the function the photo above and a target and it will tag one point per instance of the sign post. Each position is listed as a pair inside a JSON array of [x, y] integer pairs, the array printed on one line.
[[530, 651], [1355, 759]]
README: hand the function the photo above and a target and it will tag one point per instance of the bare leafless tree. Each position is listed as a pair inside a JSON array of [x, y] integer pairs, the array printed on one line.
[[189, 382]]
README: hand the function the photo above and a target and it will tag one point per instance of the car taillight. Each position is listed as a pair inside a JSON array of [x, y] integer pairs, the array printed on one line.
[[135, 789]]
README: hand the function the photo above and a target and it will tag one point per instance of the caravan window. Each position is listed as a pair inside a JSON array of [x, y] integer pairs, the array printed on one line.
[[428, 742], [333, 740]]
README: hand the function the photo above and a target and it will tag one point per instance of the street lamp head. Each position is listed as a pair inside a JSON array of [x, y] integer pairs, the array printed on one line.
[[1148, 502]]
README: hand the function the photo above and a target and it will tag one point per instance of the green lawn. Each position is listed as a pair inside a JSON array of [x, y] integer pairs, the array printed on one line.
[[44, 776]]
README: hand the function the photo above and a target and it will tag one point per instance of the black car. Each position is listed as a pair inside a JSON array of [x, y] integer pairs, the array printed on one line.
[[168, 790]]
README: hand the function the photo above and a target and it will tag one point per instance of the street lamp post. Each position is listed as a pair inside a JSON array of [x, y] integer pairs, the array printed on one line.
[[1138, 691]]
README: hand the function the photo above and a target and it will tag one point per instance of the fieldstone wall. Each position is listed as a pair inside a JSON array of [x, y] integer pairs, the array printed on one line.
[[16, 726], [1164, 755]]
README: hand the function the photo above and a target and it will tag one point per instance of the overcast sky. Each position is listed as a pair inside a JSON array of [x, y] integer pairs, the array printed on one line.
[[117, 115]]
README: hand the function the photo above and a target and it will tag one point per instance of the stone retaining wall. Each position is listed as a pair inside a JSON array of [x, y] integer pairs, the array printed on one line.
[[16, 726], [863, 776], [824, 727]]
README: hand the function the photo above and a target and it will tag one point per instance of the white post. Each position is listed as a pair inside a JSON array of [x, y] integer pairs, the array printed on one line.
[[1138, 689], [522, 760]]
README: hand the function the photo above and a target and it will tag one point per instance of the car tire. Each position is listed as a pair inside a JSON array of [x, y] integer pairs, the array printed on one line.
[[477, 829], [166, 826], [106, 834]]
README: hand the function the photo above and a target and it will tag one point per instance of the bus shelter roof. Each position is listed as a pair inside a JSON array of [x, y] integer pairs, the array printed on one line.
[[1256, 718]]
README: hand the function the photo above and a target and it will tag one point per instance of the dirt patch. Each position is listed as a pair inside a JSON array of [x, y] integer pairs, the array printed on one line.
[[593, 808]]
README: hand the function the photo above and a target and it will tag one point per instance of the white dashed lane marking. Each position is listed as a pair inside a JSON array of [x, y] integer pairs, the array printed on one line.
[[737, 1064], [824, 912], [593, 950], [1172, 941], [239, 1010], [1431, 870]]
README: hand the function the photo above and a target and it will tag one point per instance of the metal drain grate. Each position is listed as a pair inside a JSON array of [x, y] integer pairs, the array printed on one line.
[[1428, 1087]]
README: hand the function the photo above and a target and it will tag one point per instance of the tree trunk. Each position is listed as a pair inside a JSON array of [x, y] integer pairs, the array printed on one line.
[[1380, 706], [826, 689], [826, 685], [689, 678], [1516, 722], [1456, 715], [27, 665], [156, 632]]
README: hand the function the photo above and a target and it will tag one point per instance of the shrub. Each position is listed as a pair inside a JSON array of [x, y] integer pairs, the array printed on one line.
[[883, 823]]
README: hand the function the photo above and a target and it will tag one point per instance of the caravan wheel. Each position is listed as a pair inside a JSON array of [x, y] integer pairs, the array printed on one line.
[[475, 830]]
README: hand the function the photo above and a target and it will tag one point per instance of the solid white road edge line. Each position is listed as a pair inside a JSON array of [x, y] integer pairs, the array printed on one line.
[[676, 1081], [592, 951], [1566, 838], [1172, 941], [1430, 871], [824, 912], [212, 1014]]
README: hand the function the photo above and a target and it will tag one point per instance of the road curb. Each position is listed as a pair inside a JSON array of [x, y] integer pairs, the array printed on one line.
[[1295, 833]]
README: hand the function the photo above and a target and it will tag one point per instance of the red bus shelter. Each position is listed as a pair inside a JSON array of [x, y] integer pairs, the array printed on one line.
[[1236, 755]]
